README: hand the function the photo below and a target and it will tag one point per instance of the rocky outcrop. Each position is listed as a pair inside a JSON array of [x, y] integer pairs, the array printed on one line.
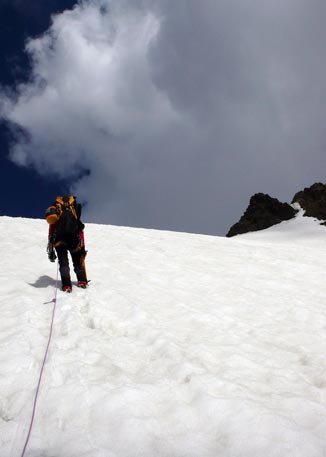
[[313, 200], [263, 212]]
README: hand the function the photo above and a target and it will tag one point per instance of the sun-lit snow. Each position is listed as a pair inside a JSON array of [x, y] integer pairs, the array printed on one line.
[[182, 346]]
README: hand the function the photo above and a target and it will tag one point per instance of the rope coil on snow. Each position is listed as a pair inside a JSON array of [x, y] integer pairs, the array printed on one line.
[[54, 301]]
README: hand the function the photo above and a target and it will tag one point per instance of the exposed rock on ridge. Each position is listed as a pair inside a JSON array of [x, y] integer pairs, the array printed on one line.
[[263, 212], [313, 200]]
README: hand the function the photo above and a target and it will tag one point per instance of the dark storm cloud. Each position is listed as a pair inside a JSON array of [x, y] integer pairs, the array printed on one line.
[[179, 110], [254, 74], [200, 57]]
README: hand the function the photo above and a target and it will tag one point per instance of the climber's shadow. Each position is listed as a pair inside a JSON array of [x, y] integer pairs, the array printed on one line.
[[43, 282]]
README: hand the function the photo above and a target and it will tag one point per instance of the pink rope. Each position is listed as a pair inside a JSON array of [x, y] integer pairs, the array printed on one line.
[[54, 301]]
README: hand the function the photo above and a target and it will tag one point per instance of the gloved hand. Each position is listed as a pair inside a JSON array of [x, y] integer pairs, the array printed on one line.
[[51, 252]]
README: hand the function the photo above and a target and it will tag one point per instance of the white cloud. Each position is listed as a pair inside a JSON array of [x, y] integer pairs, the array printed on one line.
[[178, 110], [91, 87]]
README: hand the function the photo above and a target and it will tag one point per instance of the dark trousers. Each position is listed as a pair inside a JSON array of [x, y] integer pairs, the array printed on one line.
[[78, 259]]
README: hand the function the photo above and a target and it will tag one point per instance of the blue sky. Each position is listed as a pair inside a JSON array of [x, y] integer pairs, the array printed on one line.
[[161, 114], [23, 192]]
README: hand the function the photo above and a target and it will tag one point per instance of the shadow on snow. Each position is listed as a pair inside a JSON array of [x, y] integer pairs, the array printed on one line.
[[43, 282]]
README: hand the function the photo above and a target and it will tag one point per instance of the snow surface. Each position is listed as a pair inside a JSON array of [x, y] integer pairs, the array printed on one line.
[[183, 345]]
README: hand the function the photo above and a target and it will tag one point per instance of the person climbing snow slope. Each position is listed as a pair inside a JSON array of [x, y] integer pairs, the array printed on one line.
[[66, 234]]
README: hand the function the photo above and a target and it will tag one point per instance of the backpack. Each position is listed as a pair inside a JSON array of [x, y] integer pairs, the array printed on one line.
[[65, 214]]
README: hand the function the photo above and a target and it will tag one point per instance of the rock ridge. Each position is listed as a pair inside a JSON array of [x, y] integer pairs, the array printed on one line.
[[265, 211]]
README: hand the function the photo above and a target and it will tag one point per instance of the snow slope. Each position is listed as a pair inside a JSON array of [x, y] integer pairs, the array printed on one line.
[[182, 346]]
